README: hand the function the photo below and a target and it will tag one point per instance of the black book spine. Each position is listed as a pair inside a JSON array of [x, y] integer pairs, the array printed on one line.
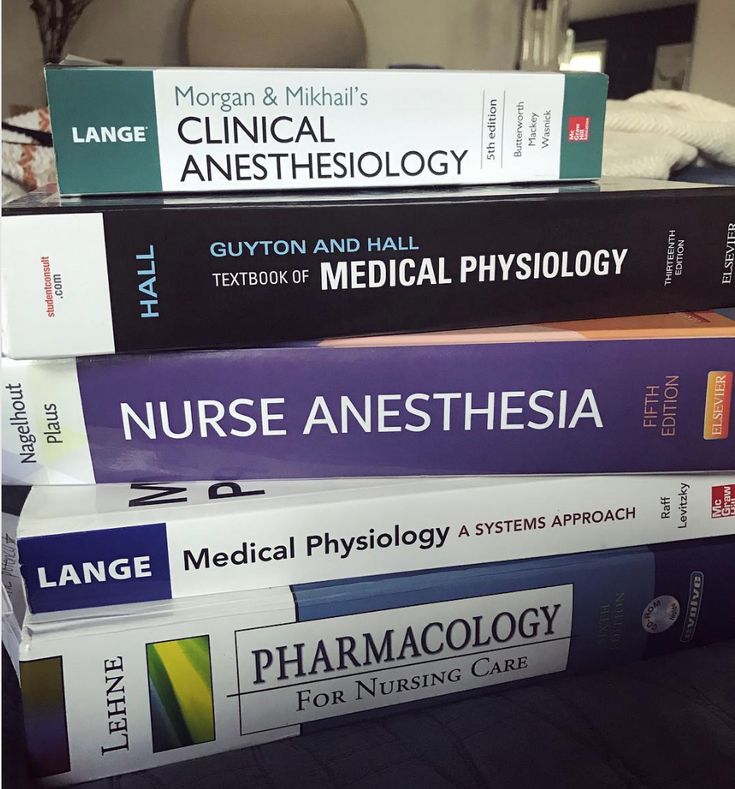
[[216, 276]]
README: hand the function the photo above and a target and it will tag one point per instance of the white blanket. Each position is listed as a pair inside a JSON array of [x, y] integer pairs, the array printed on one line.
[[655, 132]]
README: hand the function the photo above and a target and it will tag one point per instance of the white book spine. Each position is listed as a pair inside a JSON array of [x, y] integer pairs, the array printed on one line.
[[188, 130], [91, 546]]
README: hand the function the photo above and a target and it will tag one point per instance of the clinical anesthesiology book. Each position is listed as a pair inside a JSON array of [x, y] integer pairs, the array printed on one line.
[[85, 546], [132, 130], [204, 272], [109, 691], [647, 394]]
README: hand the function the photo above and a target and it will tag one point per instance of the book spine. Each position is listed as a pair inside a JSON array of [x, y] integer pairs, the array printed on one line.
[[589, 407], [190, 277], [124, 557], [13, 599], [175, 130], [164, 687]]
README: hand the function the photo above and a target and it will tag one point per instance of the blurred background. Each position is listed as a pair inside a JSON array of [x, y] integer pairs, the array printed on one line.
[[671, 64], [641, 44]]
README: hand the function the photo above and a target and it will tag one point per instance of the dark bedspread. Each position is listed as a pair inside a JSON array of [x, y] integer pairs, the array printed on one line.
[[667, 722]]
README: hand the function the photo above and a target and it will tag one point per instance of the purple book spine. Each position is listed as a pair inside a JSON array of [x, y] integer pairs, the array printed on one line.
[[515, 408]]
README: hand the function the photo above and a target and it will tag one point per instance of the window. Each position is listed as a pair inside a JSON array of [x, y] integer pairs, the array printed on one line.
[[587, 56]]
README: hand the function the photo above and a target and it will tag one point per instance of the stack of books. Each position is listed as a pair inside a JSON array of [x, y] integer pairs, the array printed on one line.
[[233, 529]]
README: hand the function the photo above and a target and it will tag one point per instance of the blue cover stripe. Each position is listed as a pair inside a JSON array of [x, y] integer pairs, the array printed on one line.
[[599, 579]]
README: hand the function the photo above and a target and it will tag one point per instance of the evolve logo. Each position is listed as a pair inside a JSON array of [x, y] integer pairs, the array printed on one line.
[[694, 603], [109, 134], [95, 568]]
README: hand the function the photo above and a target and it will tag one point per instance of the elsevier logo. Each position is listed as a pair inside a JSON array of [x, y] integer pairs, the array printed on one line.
[[109, 134]]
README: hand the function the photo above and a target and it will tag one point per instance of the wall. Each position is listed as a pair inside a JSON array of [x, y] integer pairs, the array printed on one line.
[[459, 34], [140, 32], [713, 62], [451, 33], [633, 41], [483, 35]]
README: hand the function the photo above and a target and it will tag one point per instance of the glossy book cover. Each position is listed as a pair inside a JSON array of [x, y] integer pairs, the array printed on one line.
[[133, 130], [84, 546], [109, 691], [102, 276], [643, 395]]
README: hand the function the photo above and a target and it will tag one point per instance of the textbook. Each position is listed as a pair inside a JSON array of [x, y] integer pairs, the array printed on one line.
[[13, 604], [99, 276], [635, 395], [122, 130], [109, 691], [87, 546]]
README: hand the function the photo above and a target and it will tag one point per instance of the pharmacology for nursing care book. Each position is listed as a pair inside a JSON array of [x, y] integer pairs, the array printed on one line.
[[121, 130], [102, 276], [592, 397], [113, 690], [86, 546]]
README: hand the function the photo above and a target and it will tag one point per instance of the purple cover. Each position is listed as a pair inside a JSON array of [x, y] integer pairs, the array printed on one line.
[[630, 435]]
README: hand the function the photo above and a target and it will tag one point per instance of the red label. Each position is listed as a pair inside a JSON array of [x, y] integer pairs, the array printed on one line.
[[578, 129], [723, 503]]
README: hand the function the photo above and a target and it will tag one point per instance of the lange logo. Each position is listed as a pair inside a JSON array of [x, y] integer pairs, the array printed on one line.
[[109, 134], [123, 569]]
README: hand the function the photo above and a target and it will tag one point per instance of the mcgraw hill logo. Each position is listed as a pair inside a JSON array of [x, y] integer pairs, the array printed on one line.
[[109, 134], [723, 503], [578, 128]]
